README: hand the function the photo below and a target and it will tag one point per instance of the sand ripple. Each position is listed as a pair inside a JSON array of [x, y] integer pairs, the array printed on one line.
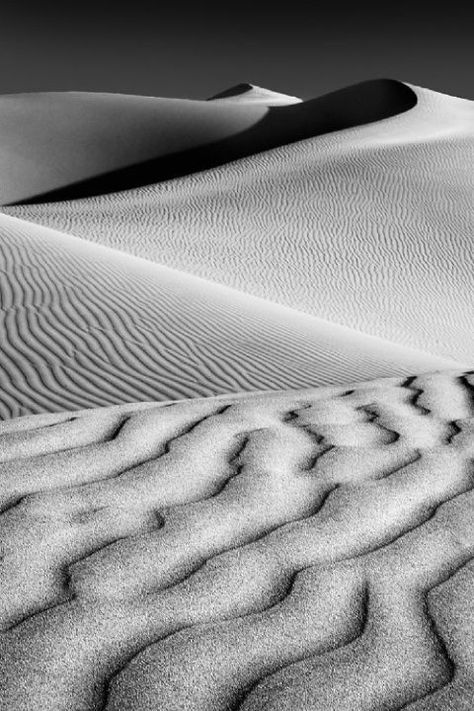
[[85, 327], [309, 549]]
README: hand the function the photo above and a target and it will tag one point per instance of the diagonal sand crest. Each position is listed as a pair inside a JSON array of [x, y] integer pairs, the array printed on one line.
[[255, 94], [84, 326], [309, 549]]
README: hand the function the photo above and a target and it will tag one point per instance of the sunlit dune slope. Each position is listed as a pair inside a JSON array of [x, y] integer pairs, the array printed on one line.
[[84, 326], [68, 145], [370, 227], [255, 94]]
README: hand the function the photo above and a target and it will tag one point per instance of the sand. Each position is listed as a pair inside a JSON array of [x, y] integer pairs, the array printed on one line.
[[309, 549], [222, 485], [86, 326], [369, 227], [51, 140], [255, 94], [72, 144]]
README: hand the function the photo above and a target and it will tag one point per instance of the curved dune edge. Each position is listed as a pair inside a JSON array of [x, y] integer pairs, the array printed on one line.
[[251, 93], [369, 227], [86, 326], [307, 549], [73, 145]]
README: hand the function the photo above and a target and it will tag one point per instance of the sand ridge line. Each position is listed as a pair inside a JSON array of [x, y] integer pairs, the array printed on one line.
[[85, 326], [92, 144], [369, 227]]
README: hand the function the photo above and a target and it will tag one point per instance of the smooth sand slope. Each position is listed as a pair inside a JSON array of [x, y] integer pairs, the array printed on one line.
[[49, 141], [370, 227], [85, 326], [255, 94], [308, 551], [69, 145]]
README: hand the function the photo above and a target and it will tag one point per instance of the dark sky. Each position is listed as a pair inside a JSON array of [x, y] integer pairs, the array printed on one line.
[[168, 49]]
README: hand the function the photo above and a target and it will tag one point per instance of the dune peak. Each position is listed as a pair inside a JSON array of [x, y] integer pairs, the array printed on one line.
[[73, 144], [246, 92]]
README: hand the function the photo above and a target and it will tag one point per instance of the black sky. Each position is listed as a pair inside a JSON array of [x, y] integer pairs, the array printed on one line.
[[172, 50]]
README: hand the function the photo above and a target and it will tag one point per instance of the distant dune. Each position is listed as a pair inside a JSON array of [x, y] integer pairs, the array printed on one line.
[[297, 550], [56, 146], [370, 226], [84, 326], [255, 94]]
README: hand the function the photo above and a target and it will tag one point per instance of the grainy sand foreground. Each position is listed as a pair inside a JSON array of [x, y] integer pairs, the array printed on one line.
[[307, 549]]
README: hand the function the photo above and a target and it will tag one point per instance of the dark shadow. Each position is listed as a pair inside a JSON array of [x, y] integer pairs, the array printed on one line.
[[236, 90], [353, 106]]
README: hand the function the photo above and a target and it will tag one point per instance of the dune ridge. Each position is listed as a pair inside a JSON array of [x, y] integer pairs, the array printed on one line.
[[57, 146], [86, 326], [250, 92], [309, 549], [368, 227]]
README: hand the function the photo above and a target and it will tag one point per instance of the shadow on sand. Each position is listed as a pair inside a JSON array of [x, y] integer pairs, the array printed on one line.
[[353, 106]]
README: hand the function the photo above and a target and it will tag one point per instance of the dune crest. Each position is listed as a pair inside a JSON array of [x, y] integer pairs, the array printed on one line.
[[255, 94], [370, 227], [58, 146], [84, 326]]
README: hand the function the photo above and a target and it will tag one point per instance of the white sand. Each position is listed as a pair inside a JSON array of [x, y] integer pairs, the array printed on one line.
[[297, 550], [74, 144], [370, 227], [84, 326], [48, 140], [255, 94], [306, 549]]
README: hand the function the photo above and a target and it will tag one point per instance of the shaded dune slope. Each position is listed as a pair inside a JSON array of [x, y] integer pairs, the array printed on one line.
[[70, 145], [370, 227], [297, 550], [84, 326]]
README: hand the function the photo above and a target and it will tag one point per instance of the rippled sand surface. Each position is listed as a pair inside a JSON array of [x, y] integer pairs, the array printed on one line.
[[222, 487], [309, 549]]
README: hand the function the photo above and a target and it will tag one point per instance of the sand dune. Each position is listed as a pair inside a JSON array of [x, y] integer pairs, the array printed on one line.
[[68, 145], [203, 545], [297, 550], [370, 227], [84, 326], [53, 140], [255, 94]]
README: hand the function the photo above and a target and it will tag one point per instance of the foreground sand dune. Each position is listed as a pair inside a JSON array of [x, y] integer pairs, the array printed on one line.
[[297, 550], [71, 144], [84, 326], [370, 227]]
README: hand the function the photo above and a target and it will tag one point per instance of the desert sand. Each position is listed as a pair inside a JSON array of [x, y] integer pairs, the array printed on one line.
[[306, 549], [86, 326], [237, 402], [72, 144], [369, 227], [255, 94]]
